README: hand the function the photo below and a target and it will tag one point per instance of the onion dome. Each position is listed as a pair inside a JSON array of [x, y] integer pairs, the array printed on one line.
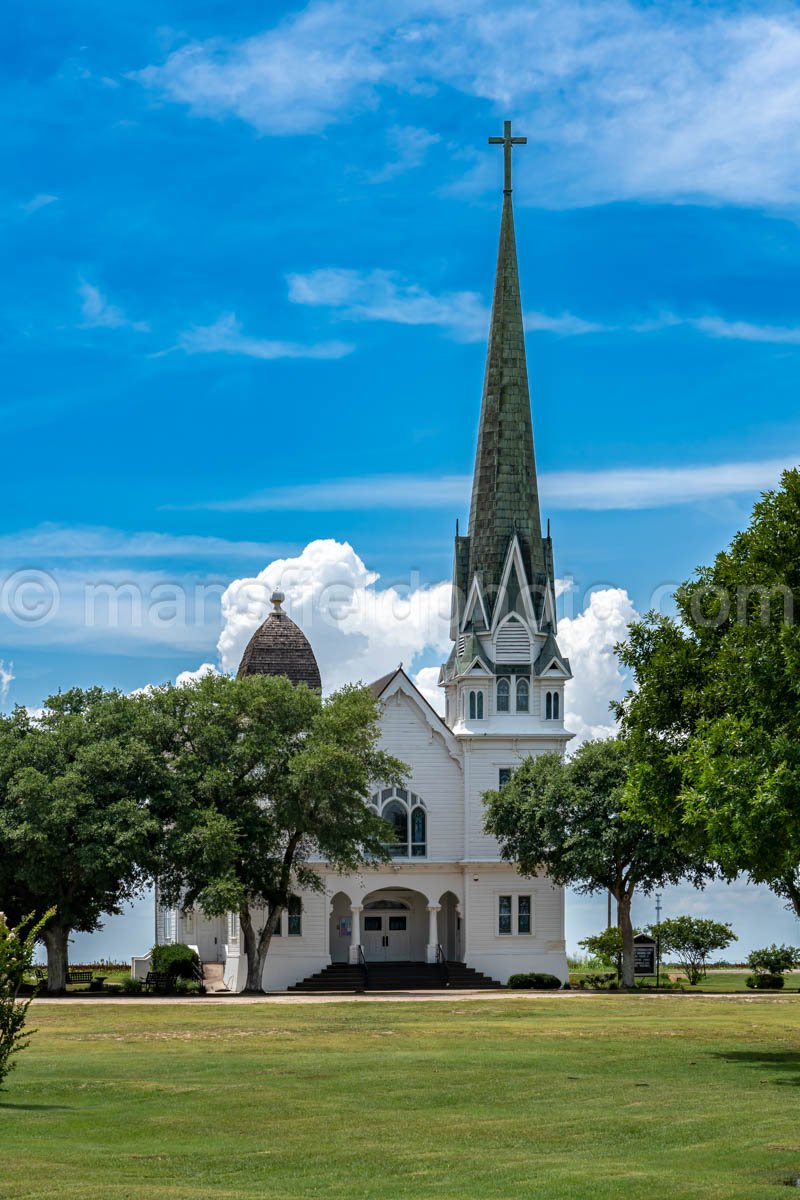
[[279, 647]]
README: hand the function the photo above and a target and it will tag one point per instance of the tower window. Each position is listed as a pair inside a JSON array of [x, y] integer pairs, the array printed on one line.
[[476, 706], [503, 695], [548, 707], [523, 695], [556, 705]]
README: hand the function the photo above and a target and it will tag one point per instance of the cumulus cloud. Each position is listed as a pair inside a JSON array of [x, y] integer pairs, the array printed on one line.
[[624, 100], [192, 676], [427, 681], [99, 313], [380, 295], [588, 641], [358, 631], [225, 336]]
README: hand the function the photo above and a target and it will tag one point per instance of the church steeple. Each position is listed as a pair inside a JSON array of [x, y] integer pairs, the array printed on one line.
[[505, 495], [505, 499]]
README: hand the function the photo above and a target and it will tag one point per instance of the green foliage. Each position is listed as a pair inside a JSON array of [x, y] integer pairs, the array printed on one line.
[[76, 824], [265, 778], [534, 980], [713, 719], [692, 940], [567, 817], [177, 961], [17, 946], [131, 986], [774, 960], [764, 980]]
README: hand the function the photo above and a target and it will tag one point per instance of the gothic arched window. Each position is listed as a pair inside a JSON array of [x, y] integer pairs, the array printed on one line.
[[472, 706], [480, 706], [503, 695], [523, 695], [548, 707], [406, 814], [556, 705]]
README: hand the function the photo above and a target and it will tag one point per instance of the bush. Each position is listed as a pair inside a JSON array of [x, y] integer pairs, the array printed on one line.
[[178, 961], [535, 980], [773, 960], [131, 986], [763, 980]]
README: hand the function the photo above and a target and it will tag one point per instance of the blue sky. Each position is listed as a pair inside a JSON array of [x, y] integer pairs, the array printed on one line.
[[249, 258]]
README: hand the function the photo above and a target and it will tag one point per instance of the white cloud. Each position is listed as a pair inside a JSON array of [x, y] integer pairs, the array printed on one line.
[[745, 331], [6, 679], [36, 202], [357, 630], [427, 681], [619, 488], [98, 313], [588, 641], [50, 541], [380, 295], [623, 100], [192, 676], [409, 147], [225, 336]]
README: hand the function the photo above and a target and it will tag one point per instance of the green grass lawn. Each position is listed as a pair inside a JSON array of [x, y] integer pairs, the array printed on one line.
[[587, 1096]]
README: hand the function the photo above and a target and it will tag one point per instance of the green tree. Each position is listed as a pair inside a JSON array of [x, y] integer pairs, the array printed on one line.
[[17, 945], [712, 721], [566, 817], [268, 780], [692, 940], [606, 947], [76, 828]]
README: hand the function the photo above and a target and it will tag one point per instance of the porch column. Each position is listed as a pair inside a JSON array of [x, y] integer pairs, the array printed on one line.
[[433, 932], [355, 936]]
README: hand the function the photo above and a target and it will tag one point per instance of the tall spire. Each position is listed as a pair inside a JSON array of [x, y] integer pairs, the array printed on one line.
[[504, 491]]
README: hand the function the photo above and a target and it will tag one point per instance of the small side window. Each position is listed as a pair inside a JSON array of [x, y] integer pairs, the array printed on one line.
[[295, 923], [503, 695]]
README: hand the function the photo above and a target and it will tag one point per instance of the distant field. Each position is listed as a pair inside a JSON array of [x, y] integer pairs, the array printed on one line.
[[581, 1096]]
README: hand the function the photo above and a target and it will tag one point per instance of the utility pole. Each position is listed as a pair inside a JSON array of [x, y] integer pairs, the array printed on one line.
[[658, 939]]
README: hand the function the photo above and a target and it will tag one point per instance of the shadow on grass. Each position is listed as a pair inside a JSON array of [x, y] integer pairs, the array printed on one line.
[[781, 1060]]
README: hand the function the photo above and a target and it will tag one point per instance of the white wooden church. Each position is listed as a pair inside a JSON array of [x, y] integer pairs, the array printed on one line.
[[446, 907]]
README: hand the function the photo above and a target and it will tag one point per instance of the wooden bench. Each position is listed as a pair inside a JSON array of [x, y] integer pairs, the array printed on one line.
[[72, 976], [156, 980]]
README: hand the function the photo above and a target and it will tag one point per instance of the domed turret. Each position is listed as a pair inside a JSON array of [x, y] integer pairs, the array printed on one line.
[[279, 647]]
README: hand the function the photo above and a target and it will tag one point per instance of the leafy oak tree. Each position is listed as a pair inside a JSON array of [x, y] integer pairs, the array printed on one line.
[[713, 720], [268, 780], [566, 817], [76, 827]]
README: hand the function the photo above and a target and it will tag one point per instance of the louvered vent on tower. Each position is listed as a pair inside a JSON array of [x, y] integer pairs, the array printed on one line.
[[462, 645], [512, 644]]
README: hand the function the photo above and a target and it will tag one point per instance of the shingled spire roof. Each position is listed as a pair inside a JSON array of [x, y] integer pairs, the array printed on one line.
[[505, 496]]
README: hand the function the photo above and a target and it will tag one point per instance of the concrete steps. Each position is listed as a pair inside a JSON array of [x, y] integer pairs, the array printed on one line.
[[394, 977]]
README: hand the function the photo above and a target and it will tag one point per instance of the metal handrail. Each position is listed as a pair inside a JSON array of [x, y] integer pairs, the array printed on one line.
[[362, 962], [441, 959]]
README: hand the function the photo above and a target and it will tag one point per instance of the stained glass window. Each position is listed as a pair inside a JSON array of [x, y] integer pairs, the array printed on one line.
[[295, 924], [523, 693], [503, 693], [504, 914], [418, 833], [523, 914]]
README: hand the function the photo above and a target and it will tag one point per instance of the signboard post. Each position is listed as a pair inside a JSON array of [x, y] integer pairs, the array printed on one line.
[[644, 955]]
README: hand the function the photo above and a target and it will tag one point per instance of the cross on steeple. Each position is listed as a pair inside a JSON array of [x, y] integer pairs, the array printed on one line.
[[507, 141]]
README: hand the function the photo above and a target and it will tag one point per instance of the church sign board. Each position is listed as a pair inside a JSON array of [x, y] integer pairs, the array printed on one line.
[[644, 955]]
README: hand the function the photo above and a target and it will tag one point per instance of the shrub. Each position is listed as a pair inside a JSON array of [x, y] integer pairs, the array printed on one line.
[[764, 980], [131, 986], [17, 944], [178, 961], [773, 960], [535, 980]]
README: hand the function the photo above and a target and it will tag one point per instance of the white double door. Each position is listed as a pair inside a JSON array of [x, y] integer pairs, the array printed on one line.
[[387, 937]]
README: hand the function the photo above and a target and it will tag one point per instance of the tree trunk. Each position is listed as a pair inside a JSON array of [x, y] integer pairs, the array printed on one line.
[[253, 967], [265, 940], [56, 938], [626, 929], [791, 886]]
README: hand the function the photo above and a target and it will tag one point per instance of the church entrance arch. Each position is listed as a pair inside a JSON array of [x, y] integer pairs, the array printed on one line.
[[394, 924], [341, 927], [449, 924]]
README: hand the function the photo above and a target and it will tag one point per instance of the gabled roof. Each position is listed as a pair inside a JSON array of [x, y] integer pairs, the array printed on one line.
[[397, 680], [550, 653]]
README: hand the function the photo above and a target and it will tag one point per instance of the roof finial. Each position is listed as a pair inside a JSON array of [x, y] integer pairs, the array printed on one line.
[[507, 141], [276, 600]]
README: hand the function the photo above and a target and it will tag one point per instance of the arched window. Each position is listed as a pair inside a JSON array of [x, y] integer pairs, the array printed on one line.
[[503, 695], [406, 814], [523, 695], [548, 707], [480, 706], [472, 706], [556, 705]]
